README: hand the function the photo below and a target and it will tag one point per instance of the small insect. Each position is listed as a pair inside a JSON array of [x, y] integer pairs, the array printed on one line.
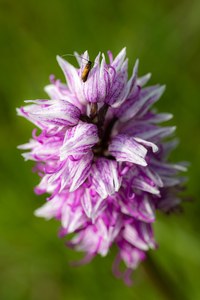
[[86, 69]]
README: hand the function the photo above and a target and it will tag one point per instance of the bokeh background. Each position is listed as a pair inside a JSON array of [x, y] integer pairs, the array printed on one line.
[[165, 35]]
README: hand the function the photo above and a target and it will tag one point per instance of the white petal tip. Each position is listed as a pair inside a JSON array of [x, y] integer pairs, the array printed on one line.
[[38, 213], [72, 188], [58, 57], [137, 63], [163, 88], [19, 112], [123, 50], [173, 128], [148, 75], [60, 60], [168, 117], [142, 162]]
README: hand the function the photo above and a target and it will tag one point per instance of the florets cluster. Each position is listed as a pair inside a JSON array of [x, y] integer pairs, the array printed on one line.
[[102, 158]]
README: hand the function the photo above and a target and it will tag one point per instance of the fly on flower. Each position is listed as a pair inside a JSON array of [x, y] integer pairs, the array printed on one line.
[[86, 69], [102, 157]]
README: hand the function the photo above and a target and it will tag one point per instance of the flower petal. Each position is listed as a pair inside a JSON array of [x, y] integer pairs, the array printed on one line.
[[73, 79], [141, 184], [126, 148], [132, 236], [79, 139], [141, 81], [95, 87], [118, 88], [132, 106], [50, 209], [105, 177], [61, 92], [81, 171], [72, 172], [87, 203], [146, 131], [119, 59], [132, 83], [153, 146], [156, 118], [139, 235], [72, 218], [52, 112]]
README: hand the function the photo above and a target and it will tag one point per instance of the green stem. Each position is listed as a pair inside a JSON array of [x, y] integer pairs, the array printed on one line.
[[162, 281]]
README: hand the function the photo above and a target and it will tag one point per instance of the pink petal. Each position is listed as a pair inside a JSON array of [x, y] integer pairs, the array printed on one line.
[[73, 79], [52, 112], [105, 177], [79, 139], [119, 59], [125, 148], [81, 171]]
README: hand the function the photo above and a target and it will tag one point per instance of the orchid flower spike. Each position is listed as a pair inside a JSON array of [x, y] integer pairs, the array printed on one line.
[[102, 157]]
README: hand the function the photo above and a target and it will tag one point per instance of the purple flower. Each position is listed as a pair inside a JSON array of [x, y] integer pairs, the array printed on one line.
[[103, 158]]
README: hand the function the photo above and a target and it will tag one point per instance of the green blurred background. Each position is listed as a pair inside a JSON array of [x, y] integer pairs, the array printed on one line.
[[165, 35]]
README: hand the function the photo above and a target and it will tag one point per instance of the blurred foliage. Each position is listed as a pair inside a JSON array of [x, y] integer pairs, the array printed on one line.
[[165, 35]]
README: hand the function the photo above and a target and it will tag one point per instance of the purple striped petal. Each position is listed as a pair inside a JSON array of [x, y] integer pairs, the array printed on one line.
[[132, 257], [168, 169], [147, 131], [141, 184], [61, 92], [140, 207], [105, 177], [139, 235], [72, 218], [153, 146], [72, 173], [118, 88], [146, 232], [52, 112], [94, 239], [170, 181], [132, 87], [54, 92], [132, 236], [50, 209], [81, 171], [146, 210], [73, 79], [87, 203], [132, 107], [119, 59], [155, 96], [126, 148], [153, 176], [79, 139], [96, 86], [156, 118]]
